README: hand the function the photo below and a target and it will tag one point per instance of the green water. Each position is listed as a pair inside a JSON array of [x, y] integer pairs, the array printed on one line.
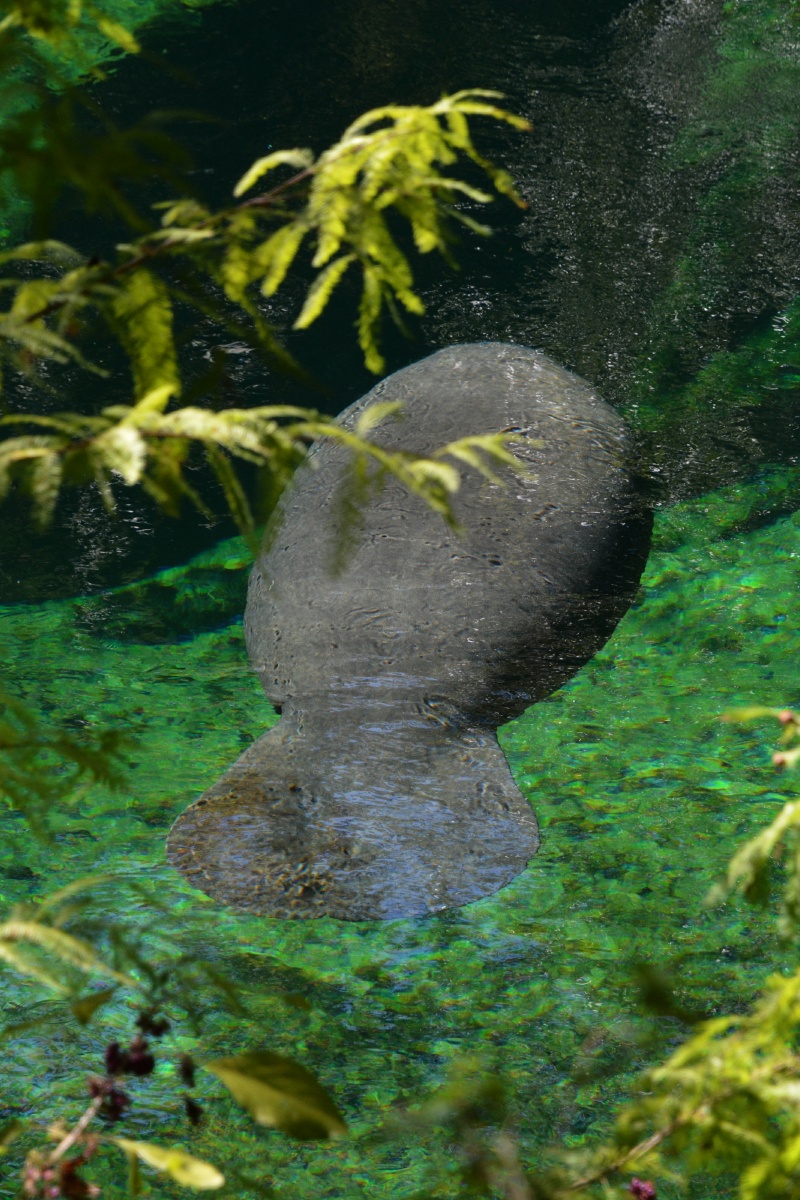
[[641, 793], [659, 258]]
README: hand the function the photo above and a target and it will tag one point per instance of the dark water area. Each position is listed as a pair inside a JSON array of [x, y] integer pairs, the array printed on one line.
[[658, 258], [661, 183]]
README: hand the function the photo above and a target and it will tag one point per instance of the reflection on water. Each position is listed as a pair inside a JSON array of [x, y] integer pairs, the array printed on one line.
[[657, 258]]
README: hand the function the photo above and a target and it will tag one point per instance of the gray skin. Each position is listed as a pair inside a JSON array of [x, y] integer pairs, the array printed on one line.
[[382, 792]]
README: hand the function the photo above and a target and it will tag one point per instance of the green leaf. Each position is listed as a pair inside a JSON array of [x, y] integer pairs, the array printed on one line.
[[116, 33], [369, 312], [182, 1167], [142, 315], [477, 449], [232, 488], [85, 1008], [23, 966], [755, 712], [749, 867], [277, 254], [301, 159], [45, 484], [375, 413], [134, 1176], [63, 946], [280, 1093], [123, 449], [321, 289], [156, 400], [10, 1132], [48, 250]]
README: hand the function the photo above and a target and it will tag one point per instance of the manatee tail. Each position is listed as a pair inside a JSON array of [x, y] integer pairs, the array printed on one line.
[[423, 817]]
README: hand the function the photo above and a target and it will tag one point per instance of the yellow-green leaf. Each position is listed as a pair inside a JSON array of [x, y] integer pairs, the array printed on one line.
[[182, 1167], [321, 289], [142, 310], [375, 413], [122, 449], [290, 158], [63, 946], [427, 471], [85, 1008], [116, 33], [155, 400], [280, 1093], [10, 1132], [45, 484], [277, 254], [47, 250], [24, 966], [753, 713]]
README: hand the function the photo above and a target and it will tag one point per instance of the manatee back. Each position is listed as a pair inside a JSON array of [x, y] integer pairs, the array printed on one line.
[[481, 624], [381, 793]]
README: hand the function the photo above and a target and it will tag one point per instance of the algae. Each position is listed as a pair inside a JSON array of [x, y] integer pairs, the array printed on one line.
[[642, 794]]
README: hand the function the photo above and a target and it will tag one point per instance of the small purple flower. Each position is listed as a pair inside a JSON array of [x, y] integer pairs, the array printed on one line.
[[186, 1070], [149, 1023], [115, 1101], [642, 1189], [116, 1059], [140, 1060]]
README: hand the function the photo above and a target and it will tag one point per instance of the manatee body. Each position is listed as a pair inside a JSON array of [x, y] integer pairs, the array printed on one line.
[[382, 792]]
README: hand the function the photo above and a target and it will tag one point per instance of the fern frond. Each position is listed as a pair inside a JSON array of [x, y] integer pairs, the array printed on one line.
[[275, 256], [45, 484], [300, 159], [321, 290], [234, 492], [141, 314], [64, 947]]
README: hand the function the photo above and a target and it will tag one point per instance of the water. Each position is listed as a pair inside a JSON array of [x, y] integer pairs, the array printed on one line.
[[658, 257]]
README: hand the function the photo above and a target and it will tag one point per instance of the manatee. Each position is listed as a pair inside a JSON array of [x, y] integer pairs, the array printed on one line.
[[382, 791]]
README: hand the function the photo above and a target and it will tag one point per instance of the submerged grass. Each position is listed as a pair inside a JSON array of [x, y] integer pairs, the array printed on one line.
[[642, 794]]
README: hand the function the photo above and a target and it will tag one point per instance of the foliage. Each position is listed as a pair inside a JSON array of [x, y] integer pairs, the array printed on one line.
[[34, 934], [40, 768], [340, 204], [280, 1093], [390, 159], [343, 204], [727, 1100], [724, 1103], [56, 22], [276, 1091], [144, 444]]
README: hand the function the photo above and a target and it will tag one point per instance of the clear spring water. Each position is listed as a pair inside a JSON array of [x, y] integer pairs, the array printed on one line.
[[658, 257]]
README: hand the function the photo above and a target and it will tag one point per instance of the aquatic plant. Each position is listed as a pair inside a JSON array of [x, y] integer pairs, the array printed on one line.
[[731, 295], [724, 1103]]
